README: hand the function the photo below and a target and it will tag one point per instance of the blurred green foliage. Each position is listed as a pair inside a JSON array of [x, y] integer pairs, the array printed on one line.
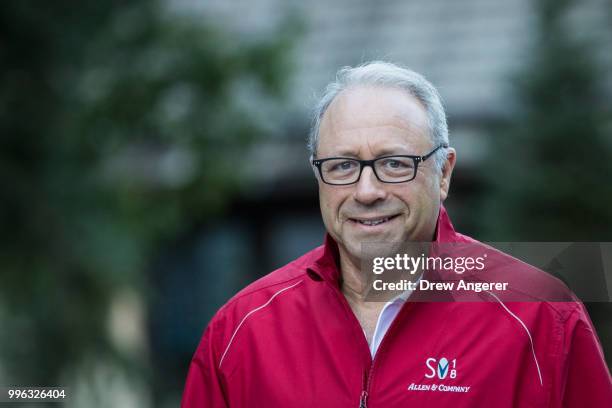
[[120, 127], [548, 168]]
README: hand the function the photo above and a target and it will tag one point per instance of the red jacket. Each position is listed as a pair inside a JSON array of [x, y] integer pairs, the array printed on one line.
[[290, 339]]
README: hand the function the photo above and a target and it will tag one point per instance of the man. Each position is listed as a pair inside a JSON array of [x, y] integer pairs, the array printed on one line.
[[306, 334]]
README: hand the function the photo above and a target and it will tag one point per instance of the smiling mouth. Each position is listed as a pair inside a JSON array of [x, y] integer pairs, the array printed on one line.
[[373, 222]]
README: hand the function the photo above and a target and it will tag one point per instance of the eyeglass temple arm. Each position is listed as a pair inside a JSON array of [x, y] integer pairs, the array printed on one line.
[[428, 155]]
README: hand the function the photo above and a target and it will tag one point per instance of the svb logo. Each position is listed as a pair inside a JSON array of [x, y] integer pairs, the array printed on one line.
[[442, 368]]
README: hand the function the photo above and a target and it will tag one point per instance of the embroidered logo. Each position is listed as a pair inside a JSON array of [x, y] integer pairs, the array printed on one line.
[[440, 369]]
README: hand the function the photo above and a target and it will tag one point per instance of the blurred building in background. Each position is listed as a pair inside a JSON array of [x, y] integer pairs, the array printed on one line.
[[473, 51]]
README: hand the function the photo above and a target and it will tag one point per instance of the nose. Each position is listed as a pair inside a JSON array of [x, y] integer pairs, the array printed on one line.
[[369, 189]]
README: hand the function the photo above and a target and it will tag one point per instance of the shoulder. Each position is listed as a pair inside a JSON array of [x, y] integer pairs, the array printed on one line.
[[284, 281], [525, 283], [270, 283], [259, 298]]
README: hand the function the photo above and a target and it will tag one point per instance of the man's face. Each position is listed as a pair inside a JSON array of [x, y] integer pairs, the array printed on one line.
[[366, 123]]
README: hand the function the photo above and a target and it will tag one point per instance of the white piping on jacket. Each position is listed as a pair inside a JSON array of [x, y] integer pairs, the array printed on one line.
[[528, 334], [250, 313]]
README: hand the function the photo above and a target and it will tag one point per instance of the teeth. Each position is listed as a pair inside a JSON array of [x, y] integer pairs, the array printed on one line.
[[373, 222]]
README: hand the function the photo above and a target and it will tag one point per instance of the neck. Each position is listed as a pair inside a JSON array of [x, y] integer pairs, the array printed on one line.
[[354, 280], [356, 283]]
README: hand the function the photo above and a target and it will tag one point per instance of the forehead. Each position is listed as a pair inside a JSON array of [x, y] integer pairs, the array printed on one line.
[[367, 119]]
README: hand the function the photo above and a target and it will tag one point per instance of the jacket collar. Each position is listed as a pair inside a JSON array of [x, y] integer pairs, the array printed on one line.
[[327, 266], [445, 232]]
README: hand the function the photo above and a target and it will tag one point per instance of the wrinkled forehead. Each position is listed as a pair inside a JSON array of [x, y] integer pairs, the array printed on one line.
[[374, 116]]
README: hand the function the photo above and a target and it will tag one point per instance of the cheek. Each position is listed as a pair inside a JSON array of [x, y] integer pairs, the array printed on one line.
[[328, 203], [332, 198], [420, 195]]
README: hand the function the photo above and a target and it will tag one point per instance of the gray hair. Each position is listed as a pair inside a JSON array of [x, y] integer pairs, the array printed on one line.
[[387, 75]]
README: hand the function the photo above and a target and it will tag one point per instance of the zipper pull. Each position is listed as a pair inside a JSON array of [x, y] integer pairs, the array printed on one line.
[[362, 400]]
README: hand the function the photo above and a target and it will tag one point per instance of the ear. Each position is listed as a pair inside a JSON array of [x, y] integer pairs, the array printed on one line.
[[447, 171]]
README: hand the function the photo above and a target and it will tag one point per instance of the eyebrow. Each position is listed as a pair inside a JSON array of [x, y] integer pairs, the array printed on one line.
[[344, 153], [392, 151]]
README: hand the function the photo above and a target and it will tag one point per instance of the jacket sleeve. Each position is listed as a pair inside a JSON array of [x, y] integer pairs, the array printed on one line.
[[586, 380], [203, 388]]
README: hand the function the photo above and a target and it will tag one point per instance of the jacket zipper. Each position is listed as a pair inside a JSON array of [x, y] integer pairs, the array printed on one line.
[[363, 399], [363, 403]]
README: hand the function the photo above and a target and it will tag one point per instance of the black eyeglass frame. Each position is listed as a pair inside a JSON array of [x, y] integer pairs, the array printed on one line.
[[363, 163]]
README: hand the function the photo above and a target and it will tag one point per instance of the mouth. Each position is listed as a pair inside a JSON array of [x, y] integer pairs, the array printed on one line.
[[373, 222]]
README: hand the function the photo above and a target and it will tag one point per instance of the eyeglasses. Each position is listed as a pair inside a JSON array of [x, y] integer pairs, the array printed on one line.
[[340, 171]]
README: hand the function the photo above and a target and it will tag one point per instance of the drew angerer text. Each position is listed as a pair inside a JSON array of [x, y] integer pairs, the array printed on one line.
[[425, 285]]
